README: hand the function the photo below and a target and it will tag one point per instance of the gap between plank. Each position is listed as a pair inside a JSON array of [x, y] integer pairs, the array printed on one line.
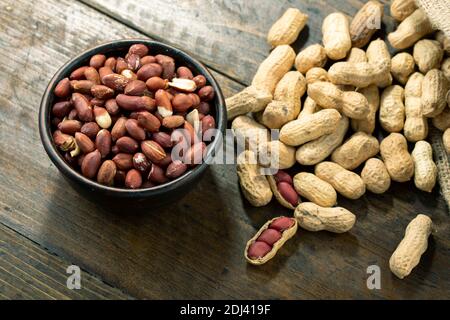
[[47, 250]]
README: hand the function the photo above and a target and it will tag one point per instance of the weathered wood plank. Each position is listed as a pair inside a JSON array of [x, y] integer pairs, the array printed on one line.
[[229, 36], [194, 248], [29, 272]]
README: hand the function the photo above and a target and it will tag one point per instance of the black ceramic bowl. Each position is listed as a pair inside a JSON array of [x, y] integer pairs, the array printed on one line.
[[170, 190]]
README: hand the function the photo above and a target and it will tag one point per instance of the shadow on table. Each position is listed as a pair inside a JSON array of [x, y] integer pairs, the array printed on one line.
[[149, 251]]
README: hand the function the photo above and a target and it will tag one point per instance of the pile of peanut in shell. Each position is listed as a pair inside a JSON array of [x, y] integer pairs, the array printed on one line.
[[117, 119], [331, 136]]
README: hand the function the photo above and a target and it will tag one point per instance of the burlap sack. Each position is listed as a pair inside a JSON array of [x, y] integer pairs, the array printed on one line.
[[442, 162], [438, 12]]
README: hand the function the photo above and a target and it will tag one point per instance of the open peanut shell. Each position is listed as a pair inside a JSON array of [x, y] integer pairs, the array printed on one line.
[[278, 196], [285, 236]]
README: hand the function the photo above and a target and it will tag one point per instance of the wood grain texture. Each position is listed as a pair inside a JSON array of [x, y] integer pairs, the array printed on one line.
[[228, 35], [29, 272], [193, 249]]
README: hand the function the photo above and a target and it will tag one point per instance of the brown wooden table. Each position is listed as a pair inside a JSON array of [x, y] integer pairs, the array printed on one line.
[[194, 249]]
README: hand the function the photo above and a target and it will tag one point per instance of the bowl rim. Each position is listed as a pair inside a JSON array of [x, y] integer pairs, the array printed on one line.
[[45, 130]]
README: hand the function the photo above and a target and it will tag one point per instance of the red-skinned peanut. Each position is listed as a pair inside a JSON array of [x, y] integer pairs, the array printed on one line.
[[97, 61], [133, 179], [282, 176], [62, 89], [123, 161], [91, 164], [282, 223], [103, 142], [140, 162], [270, 236], [90, 129], [288, 193], [127, 145], [258, 249]]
